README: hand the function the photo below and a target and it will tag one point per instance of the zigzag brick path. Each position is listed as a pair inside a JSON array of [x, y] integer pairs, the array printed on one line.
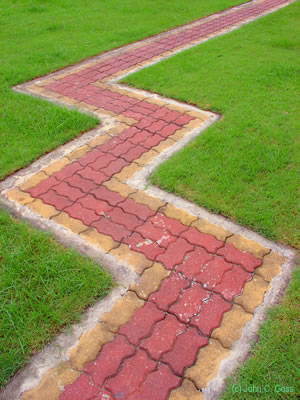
[[194, 274]]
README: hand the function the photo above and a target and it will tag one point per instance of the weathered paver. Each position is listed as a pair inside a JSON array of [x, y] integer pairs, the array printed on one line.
[[198, 280]]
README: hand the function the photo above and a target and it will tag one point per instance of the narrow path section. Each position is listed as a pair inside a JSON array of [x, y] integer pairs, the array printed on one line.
[[200, 283]]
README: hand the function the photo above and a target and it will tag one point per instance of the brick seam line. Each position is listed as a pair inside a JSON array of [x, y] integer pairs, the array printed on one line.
[[162, 99]]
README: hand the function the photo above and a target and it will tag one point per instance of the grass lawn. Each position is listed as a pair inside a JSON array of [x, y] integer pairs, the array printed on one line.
[[38, 37], [245, 166], [43, 287]]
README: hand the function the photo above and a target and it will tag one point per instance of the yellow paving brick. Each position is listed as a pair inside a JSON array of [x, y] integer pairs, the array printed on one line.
[[61, 75], [157, 101], [127, 172], [198, 114], [116, 130], [195, 123], [126, 120], [68, 100], [36, 89], [34, 180], [180, 134], [90, 343], [164, 145], [106, 243], [177, 107], [86, 106], [150, 281], [72, 224], [187, 391], [253, 294], [177, 213], [232, 325], [122, 311], [102, 111], [251, 246], [52, 383], [207, 364], [116, 186], [19, 196], [147, 157], [271, 266], [135, 260], [206, 227], [152, 202], [46, 81], [79, 152], [57, 166], [43, 209], [98, 140]]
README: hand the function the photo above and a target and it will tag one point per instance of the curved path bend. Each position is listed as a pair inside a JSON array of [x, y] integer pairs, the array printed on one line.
[[197, 282]]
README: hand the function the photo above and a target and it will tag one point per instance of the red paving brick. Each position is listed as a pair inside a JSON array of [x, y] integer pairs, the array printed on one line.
[[175, 253], [109, 360], [233, 255], [163, 337], [185, 350], [151, 351], [132, 374], [141, 324], [169, 291], [189, 302], [157, 385]]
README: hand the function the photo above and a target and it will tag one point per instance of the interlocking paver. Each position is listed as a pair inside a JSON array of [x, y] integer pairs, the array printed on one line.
[[163, 336], [109, 360], [141, 324], [185, 350], [157, 385], [217, 278]]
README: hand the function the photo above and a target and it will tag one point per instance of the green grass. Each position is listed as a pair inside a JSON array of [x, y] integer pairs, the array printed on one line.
[[43, 287], [246, 165], [39, 36], [274, 365]]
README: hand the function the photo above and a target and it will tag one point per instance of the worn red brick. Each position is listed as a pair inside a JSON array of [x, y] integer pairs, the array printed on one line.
[[185, 350], [173, 226], [211, 314], [150, 249], [92, 156], [169, 291], [157, 385], [175, 253], [131, 376], [102, 161], [161, 236], [189, 302], [232, 282], [211, 274], [209, 242], [194, 262], [109, 359], [163, 337], [235, 256]]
